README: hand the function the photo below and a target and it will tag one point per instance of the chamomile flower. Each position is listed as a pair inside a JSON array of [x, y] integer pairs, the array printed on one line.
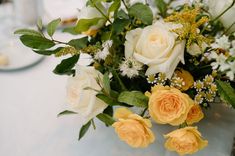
[[152, 79], [130, 68], [213, 88], [198, 99], [177, 82], [210, 97], [208, 80], [198, 85]]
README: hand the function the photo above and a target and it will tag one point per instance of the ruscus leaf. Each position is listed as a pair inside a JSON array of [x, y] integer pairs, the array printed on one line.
[[226, 92], [84, 129], [51, 27], [66, 112], [134, 98]]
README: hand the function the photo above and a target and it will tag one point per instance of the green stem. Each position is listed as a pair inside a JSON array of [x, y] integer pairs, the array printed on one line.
[[59, 42], [226, 31], [93, 124], [124, 3], [143, 113], [101, 12]]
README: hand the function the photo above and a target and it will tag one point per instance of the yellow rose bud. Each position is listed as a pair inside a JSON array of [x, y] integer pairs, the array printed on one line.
[[133, 129], [195, 115], [187, 78], [187, 140], [168, 105]]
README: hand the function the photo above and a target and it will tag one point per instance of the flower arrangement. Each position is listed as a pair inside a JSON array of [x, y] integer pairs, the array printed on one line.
[[169, 60]]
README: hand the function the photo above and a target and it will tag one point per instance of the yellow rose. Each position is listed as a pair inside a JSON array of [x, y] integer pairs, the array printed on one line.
[[185, 141], [133, 129], [187, 78], [168, 105], [195, 115]]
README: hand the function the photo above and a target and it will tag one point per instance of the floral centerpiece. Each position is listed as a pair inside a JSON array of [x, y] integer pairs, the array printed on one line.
[[171, 60]]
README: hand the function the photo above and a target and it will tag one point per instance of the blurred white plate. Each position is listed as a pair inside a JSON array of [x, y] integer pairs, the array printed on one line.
[[20, 57]]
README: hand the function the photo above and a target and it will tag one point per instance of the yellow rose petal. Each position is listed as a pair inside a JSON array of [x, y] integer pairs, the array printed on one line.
[[187, 78], [122, 113], [169, 105], [187, 140]]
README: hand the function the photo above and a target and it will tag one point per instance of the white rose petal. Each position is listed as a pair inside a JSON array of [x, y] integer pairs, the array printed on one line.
[[216, 7], [82, 100], [156, 47]]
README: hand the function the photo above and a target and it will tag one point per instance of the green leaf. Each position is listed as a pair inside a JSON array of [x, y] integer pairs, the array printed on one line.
[[122, 14], [47, 52], [66, 66], [162, 6], [84, 129], [141, 12], [108, 100], [106, 83], [134, 98], [226, 92], [109, 111], [39, 24], [36, 42], [120, 24], [84, 24], [51, 27], [79, 43], [115, 6], [70, 30], [66, 112], [108, 120], [29, 32]]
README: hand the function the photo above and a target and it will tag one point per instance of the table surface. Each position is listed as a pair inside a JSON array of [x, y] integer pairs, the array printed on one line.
[[31, 100]]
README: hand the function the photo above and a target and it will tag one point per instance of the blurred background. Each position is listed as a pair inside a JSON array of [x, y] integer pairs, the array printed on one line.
[[31, 96]]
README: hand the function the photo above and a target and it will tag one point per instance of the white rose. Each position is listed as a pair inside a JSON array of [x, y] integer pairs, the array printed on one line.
[[216, 7], [84, 101], [156, 46], [88, 12]]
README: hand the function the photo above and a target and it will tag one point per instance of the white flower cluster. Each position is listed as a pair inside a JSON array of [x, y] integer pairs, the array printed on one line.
[[221, 42], [102, 54], [223, 62], [130, 68]]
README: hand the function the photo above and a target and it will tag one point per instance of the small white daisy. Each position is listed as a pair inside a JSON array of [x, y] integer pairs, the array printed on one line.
[[130, 68]]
